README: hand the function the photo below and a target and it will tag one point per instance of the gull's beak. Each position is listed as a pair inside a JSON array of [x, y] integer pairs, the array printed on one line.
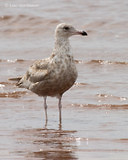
[[83, 33], [77, 32]]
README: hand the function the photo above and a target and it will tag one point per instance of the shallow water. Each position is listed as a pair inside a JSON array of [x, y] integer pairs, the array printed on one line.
[[94, 110]]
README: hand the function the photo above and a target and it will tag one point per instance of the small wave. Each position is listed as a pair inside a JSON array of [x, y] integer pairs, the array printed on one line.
[[5, 18], [101, 62], [6, 84], [14, 60], [80, 84], [19, 24], [103, 106], [2, 86], [27, 18], [79, 61], [107, 96], [15, 19], [25, 24], [15, 94]]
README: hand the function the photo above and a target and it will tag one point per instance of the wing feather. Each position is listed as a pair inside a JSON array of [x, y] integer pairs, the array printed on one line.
[[37, 72]]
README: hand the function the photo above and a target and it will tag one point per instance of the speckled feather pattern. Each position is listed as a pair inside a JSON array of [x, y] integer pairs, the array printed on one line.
[[54, 75]]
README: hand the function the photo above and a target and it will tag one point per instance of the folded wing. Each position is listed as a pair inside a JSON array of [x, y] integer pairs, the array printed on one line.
[[37, 72]]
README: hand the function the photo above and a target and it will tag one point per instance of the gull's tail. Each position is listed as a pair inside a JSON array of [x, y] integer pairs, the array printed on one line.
[[15, 79]]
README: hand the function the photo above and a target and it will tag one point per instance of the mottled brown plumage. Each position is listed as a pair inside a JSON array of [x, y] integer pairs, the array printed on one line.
[[56, 74]]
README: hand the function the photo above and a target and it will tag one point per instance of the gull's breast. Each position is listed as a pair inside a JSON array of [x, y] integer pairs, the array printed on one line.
[[66, 74], [62, 75]]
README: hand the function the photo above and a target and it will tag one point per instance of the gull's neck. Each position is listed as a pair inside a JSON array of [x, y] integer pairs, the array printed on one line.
[[62, 46]]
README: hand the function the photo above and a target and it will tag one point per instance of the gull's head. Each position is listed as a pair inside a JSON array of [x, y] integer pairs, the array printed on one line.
[[66, 30]]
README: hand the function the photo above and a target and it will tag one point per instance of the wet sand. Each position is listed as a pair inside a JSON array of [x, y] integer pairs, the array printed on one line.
[[94, 124]]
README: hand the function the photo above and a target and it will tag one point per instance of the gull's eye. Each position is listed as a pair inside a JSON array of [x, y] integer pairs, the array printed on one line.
[[66, 28]]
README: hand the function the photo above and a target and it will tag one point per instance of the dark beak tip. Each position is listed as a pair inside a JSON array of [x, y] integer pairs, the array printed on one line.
[[84, 33]]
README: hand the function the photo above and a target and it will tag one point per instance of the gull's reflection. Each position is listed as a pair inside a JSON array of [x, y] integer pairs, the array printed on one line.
[[49, 143]]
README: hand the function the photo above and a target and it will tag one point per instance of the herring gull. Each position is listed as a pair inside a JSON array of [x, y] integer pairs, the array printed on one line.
[[54, 75]]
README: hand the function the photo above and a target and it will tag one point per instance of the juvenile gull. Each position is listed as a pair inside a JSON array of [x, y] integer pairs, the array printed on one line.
[[54, 75]]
